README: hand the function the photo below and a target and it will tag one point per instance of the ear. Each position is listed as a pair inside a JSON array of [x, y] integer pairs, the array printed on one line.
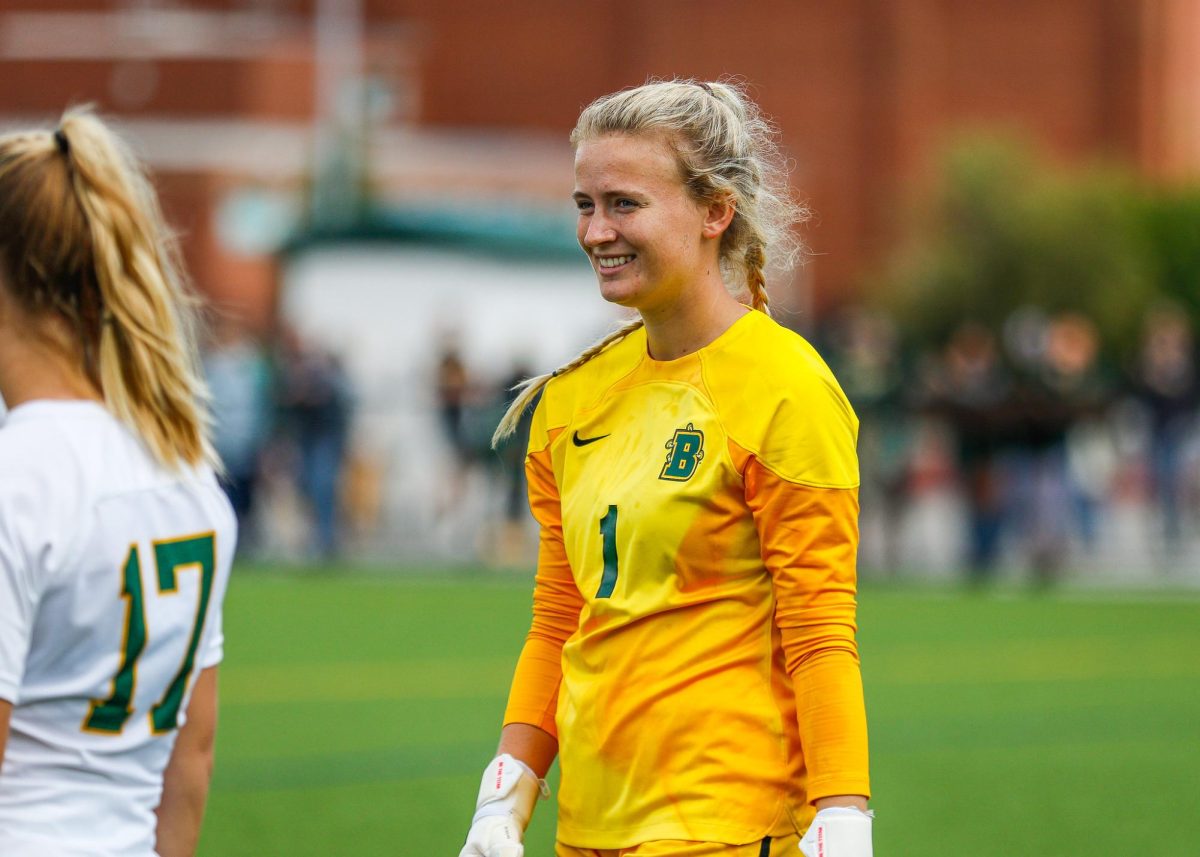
[[717, 217]]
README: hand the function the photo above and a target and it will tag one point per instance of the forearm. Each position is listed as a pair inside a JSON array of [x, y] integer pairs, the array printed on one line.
[[857, 801], [533, 696], [529, 744], [181, 811], [186, 780], [833, 726]]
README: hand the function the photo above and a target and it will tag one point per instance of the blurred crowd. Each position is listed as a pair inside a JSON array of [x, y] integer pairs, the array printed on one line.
[[469, 407], [287, 428], [1019, 445], [1053, 454], [282, 414]]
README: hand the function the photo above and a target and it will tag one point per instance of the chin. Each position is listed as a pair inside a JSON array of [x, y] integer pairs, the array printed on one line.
[[615, 294], [621, 294]]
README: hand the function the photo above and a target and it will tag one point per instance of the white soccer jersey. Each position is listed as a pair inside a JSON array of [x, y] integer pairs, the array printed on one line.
[[112, 574]]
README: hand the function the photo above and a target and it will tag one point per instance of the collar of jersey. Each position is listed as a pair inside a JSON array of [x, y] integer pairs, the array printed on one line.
[[731, 334], [36, 408]]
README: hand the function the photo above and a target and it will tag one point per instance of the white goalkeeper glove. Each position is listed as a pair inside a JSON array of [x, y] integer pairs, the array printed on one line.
[[506, 799], [839, 831]]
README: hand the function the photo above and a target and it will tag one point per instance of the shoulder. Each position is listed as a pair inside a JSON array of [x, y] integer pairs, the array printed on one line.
[[30, 477], [31, 456], [780, 402], [58, 445], [773, 359], [23, 436], [584, 386]]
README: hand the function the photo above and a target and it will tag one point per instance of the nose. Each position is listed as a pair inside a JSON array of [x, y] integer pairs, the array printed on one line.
[[596, 230]]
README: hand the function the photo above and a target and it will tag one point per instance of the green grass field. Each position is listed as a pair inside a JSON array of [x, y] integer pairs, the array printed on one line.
[[359, 710]]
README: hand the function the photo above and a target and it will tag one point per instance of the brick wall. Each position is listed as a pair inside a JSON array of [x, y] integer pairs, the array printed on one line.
[[866, 92]]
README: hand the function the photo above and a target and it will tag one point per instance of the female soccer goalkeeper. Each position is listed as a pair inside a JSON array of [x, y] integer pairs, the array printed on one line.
[[115, 539], [692, 658]]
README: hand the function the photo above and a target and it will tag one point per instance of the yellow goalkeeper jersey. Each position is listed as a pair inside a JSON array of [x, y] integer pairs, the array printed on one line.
[[692, 643]]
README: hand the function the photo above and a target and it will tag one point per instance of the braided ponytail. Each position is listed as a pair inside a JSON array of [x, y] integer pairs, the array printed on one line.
[[754, 260]]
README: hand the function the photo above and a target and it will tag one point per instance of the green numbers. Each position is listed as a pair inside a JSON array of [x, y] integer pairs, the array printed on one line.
[[608, 532], [171, 558], [111, 714]]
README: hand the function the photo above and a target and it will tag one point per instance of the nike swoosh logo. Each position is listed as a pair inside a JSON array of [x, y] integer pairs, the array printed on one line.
[[584, 441]]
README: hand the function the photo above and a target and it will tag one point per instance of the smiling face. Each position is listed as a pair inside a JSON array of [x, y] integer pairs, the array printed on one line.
[[648, 240]]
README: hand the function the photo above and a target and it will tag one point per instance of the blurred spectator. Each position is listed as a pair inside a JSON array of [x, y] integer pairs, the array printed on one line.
[[239, 380], [1066, 391], [481, 510], [457, 395], [510, 548], [865, 353], [315, 402], [973, 392], [453, 388], [1166, 382]]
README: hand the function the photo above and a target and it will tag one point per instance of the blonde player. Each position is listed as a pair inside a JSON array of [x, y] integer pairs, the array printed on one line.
[[692, 658], [115, 539]]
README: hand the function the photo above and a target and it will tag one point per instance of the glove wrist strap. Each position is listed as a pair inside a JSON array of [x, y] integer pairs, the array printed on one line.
[[509, 787]]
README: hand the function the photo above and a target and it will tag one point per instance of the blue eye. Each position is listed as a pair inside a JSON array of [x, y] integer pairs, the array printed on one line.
[[583, 204], [626, 203]]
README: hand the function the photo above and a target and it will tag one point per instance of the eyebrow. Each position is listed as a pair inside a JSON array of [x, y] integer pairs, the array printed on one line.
[[608, 194]]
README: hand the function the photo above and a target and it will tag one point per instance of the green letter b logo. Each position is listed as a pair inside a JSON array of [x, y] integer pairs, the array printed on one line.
[[686, 450]]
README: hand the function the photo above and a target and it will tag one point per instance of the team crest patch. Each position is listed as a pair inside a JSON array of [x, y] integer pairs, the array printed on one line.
[[686, 449]]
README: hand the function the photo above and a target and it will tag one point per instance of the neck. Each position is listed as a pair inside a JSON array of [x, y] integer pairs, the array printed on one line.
[[35, 368], [686, 326]]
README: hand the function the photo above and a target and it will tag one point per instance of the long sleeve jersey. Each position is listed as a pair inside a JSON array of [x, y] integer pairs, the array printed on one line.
[[693, 637]]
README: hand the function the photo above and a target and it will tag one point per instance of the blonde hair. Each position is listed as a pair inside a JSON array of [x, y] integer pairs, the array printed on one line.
[[726, 150], [82, 236]]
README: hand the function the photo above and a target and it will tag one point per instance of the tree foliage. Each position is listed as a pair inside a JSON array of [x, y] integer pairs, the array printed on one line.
[[1004, 231]]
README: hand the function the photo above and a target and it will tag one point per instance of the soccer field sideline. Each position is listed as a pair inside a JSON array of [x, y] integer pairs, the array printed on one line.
[[357, 712]]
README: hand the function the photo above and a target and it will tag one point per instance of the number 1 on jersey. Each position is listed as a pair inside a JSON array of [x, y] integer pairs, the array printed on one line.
[[608, 532], [111, 714]]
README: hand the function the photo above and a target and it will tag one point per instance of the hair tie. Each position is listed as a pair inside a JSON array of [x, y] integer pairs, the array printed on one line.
[[704, 85], [60, 139]]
